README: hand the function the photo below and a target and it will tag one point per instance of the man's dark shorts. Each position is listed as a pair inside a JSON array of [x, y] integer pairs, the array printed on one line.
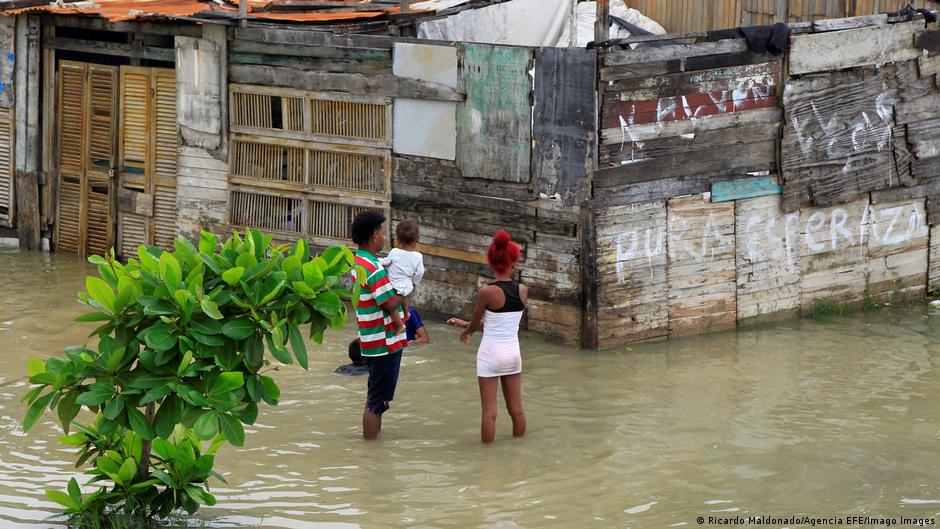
[[383, 379]]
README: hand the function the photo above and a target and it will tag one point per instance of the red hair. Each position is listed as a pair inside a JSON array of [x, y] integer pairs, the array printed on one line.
[[502, 253]]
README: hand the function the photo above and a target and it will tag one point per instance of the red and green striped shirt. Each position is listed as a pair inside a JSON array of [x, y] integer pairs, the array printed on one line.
[[376, 329]]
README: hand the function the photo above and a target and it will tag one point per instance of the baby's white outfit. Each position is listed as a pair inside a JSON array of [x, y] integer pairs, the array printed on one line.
[[405, 269]]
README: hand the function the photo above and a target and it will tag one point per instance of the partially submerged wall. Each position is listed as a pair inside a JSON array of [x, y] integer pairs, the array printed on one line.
[[734, 185]]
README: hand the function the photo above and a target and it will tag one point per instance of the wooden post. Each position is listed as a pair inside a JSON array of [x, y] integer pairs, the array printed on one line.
[[782, 11], [573, 25], [404, 6], [243, 12], [602, 22], [27, 209]]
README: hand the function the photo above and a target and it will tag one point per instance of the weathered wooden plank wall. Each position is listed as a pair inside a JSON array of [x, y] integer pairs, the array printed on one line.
[[202, 190], [679, 16], [848, 219]]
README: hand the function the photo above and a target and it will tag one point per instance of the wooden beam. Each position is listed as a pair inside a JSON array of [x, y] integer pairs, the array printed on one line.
[[322, 52], [838, 50], [101, 24], [602, 21], [111, 48], [758, 186], [387, 85], [309, 37], [404, 6], [27, 209]]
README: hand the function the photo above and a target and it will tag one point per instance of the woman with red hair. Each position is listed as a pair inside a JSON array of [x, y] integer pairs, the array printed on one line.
[[498, 311]]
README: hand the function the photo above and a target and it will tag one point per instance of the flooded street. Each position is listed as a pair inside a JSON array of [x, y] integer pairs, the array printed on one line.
[[831, 417]]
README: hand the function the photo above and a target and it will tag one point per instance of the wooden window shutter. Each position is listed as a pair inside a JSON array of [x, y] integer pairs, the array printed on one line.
[[135, 126], [71, 149], [6, 167], [101, 159], [165, 148]]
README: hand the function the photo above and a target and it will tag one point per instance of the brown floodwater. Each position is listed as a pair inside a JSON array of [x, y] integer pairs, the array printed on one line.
[[828, 418]]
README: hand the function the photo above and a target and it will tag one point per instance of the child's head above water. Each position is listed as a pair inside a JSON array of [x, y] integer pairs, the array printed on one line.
[[407, 233], [355, 353]]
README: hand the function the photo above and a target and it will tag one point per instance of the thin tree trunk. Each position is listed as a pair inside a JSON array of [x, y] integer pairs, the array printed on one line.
[[143, 469]]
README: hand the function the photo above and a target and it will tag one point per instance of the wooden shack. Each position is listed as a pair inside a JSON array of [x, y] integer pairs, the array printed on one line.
[[660, 186]]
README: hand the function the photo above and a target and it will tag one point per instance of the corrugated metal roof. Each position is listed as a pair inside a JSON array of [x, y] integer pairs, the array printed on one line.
[[283, 10]]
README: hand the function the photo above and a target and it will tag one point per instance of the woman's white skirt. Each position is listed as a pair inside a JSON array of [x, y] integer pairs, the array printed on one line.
[[498, 357]]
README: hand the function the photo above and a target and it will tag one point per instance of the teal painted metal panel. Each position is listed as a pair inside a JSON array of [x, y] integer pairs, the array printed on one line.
[[494, 124], [757, 186]]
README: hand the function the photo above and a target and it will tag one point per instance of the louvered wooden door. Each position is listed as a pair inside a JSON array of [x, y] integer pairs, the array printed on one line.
[[147, 198], [85, 156]]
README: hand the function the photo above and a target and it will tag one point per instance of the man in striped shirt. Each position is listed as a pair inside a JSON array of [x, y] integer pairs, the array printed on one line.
[[381, 344]]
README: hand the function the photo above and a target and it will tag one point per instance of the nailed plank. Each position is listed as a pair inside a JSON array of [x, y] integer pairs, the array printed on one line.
[[897, 251], [833, 253], [767, 256], [102, 24], [838, 24], [111, 48], [623, 132], [632, 295], [928, 65], [757, 186], [381, 85], [933, 266], [818, 52], [839, 138], [701, 269], [353, 66], [312, 37], [494, 136], [675, 51], [651, 87], [563, 128]]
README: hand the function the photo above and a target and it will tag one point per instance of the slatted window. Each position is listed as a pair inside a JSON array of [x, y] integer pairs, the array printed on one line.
[[6, 167], [252, 159], [351, 119], [343, 170], [312, 116], [267, 212], [332, 220]]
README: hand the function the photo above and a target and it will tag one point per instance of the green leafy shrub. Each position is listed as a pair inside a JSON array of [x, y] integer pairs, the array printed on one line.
[[179, 364]]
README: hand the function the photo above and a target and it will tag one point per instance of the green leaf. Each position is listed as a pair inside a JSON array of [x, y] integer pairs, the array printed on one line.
[[200, 496], [270, 392], [313, 276], [164, 478], [90, 317], [226, 382], [158, 338], [211, 341], [155, 394], [275, 342], [238, 329], [115, 360], [210, 308], [184, 363], [101, 292], [206, 326], [272, 293], [75, 492], [293, 267], [297, 344], [328, 304], [36, 409], [233, 275], [96, 395], [301, 250], [354, 296], [139, 423], [36, 366], [232, 430], [147, 261], [170, 270], [164, 449], [206, 426], [208, 242], [114, 408], [301, 288], [246, 260], [68, 409], [156, 307], [63, 499], [168, 415], [128, 470]]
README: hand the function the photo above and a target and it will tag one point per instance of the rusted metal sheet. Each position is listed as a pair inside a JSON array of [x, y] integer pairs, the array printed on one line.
[[563, 126], [494, 131]]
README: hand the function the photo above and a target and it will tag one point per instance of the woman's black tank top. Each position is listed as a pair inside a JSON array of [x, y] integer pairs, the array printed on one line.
[[511, 292]]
